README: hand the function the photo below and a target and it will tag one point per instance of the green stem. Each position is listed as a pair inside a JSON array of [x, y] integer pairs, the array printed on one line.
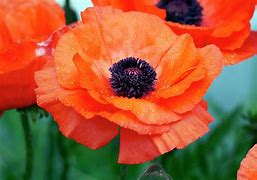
[[64, 155], [50, 151], [28, 140], [123, 171]]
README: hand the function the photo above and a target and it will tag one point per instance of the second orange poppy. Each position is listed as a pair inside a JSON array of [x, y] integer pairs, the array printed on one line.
[[224, 23]]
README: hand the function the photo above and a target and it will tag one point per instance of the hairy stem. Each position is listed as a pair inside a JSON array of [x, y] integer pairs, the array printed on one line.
[[123, 171], [28, 143]]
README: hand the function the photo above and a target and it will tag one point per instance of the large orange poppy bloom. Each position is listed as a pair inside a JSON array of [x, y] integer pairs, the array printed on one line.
[[225, 23], [24, 24], [114, 71], [248, 167]]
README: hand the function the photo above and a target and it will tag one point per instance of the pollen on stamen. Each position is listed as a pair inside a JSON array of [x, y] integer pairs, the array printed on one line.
[[132, 77]]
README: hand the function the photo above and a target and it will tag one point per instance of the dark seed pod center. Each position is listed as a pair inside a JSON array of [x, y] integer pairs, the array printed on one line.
[[182, 11], [132, 77]]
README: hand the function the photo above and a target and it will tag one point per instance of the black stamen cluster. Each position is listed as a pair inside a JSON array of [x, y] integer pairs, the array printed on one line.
[[132, 77], [182, 11]]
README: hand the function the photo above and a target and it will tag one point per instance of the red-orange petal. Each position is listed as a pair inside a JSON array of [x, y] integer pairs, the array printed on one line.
[[212, 60], [78, 40], [92, 76], [147, 6], [93, 131], [248, 167], [135, 148], [149, 42], [84, 105], [24, 24], [178, 68], [50, 91], [147, 112], [35, 21], [125, 5], [17, 56], [17, 79], [247, 50]]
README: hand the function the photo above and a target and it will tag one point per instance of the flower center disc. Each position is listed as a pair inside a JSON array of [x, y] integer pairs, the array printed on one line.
[[132, 77], [182, 11]]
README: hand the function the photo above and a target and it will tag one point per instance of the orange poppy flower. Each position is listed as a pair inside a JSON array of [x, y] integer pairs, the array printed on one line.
[[108, 73], [24, 25], [248, 167], [224, 23]]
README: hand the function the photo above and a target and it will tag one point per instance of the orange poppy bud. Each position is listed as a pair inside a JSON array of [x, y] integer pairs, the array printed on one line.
[[224, 23], [24, 25], [128, 70], [248, 167]]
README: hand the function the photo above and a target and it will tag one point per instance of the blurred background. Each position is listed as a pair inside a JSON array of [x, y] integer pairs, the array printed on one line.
[[232, 101]]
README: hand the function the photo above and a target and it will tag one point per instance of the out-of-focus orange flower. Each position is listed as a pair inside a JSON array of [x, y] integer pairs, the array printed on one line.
[[24, 25], [128, 70], [248, 167], [224, 23]]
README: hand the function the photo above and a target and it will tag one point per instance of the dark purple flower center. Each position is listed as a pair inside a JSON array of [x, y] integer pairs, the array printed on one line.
[[182, 11], [132, 77]]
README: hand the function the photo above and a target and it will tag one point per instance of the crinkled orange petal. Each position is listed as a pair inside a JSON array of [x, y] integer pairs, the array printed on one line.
[[129, 121], [204, 36], [146, 111], [92, 78], [125, 5], [81, 102], [97, 14], [180, 57], [24, 25], [17, 66], [17, 56], [50, 91], [78, 40], [149, 42], [229, 28], [192, 75], [87, 107], [248, 49], [5, 38], [199, 33], [17, 87], [226, 20], [179, 68], [36, 21], [248, 167], [147, 6], [66, 71], [221, 25], [135, 148], [232, 42], [24, 20], [93, 132], [212, 60]]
